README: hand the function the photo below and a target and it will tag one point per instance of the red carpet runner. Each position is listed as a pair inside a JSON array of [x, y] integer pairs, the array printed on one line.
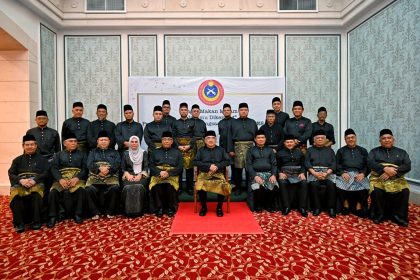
[[240, 220], [312, 248]]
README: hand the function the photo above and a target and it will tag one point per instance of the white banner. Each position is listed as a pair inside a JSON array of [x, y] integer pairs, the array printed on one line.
[[209, 93]]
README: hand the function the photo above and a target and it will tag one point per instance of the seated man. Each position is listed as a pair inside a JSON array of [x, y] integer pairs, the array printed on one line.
[[352, 181], [166, 165], [262, 167], [320, 163], [69, 172], [102, 185], [292, 179], [211, 161], [27, 175], [389, 188]]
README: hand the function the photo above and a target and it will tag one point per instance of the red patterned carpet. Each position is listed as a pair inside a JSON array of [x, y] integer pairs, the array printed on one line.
[[291, 248]]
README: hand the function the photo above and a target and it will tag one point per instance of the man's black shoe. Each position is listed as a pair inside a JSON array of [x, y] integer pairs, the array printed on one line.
[[345, 211], [78, 219], [303, 212], [20, 228], [171, 212], [400, 221], [159, 213], [332, 213], [36, 226], [377, 219], [203, 211], [316, 212], [51, 222], [219, 212], [286, 211]]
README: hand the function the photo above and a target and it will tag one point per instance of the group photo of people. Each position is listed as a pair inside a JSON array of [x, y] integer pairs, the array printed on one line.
[[98, 169]]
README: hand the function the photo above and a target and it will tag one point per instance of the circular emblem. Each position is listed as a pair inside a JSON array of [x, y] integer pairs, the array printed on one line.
[[211, 92]]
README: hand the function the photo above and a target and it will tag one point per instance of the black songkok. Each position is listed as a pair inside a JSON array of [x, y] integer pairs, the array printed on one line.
[[226, 105], [322, 109], [128, 108], [195, 106], [243, 105], [385, 131], [28, 137], [259, 132], [103, 133], [166, 134], [349, 132], [166, 102], [101, 106], [270, 112], [69, 135], [41, 113], [210, 133], [289, 137], [298, 103], [319, 132], [183, 104], [157, 108], [77, 104], [275, 99]]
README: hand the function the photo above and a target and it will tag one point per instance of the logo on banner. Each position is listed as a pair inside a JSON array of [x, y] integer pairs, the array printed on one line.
[[211, 92]]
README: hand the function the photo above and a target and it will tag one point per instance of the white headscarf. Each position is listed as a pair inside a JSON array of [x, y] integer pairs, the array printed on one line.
[[136, 156]]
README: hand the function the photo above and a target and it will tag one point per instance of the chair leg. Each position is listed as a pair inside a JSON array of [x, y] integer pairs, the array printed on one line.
[[228, 204], [195, 201]]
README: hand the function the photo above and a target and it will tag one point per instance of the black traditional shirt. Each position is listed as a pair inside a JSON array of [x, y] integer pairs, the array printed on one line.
[[352, 159], [320, 156], [153, 133], [243, 129], [261, 160], [206, 157], [95, 127], [127, 164], [274, 134], [293, 157], [66, 159], [394, 155], [199, 128], [184, 129], [124, 130], [110, 156], [29, 164], [168, 120], [225, 133], [281, 118], [47, 139], [300, 128], [326, 127], [79, 126], [171, 157]]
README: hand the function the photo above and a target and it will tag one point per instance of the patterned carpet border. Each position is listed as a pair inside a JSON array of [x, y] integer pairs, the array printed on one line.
[[291, 248]]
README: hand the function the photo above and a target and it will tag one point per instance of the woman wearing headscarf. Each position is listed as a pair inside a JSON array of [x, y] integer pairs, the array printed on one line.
[[135, 177]]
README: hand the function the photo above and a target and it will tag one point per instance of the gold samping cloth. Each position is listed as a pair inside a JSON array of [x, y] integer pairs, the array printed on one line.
[[392, 185], [189, 155], [199, 143], [215, 183], [241, 148], [95, 179], [69, 173], [19, 190], [171, 180]]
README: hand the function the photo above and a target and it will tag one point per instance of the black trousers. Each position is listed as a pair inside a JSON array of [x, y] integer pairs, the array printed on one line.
[[164, 196], [389, 204], [203, 198], [237, 174], [264, 199], [102, 199], [26, 209], [352, 197], [189, 177], [323, 189], [65, 203], [294, 194]]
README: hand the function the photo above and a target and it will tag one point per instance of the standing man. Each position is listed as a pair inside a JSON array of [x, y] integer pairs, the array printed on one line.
[[321, 124], [101, 124], [102, 186], [321, 164], [299, 126], [27, 175], [292, 177], [225, 136], [389, 189], [243, 134], [47, 139], [261, 165], [154, 129], [211, 162], [165, 169], [69, 172], [184, 129], [281, 117], [199, 127], [166, 110], [124, 130], [273, 131], [79, 126]]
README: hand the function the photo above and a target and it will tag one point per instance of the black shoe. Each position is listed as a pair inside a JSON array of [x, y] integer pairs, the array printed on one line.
[[377, 220], [51, 222], [20, 228], [332, 213], [270, 210], [361, 213], [203, 211], [171, 212], [159, 213], [36, 226], [286, 211], [345, 211], [303, 212], [399, 221], [219, 212], [78, 219], [257, 209], [316, 212]]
